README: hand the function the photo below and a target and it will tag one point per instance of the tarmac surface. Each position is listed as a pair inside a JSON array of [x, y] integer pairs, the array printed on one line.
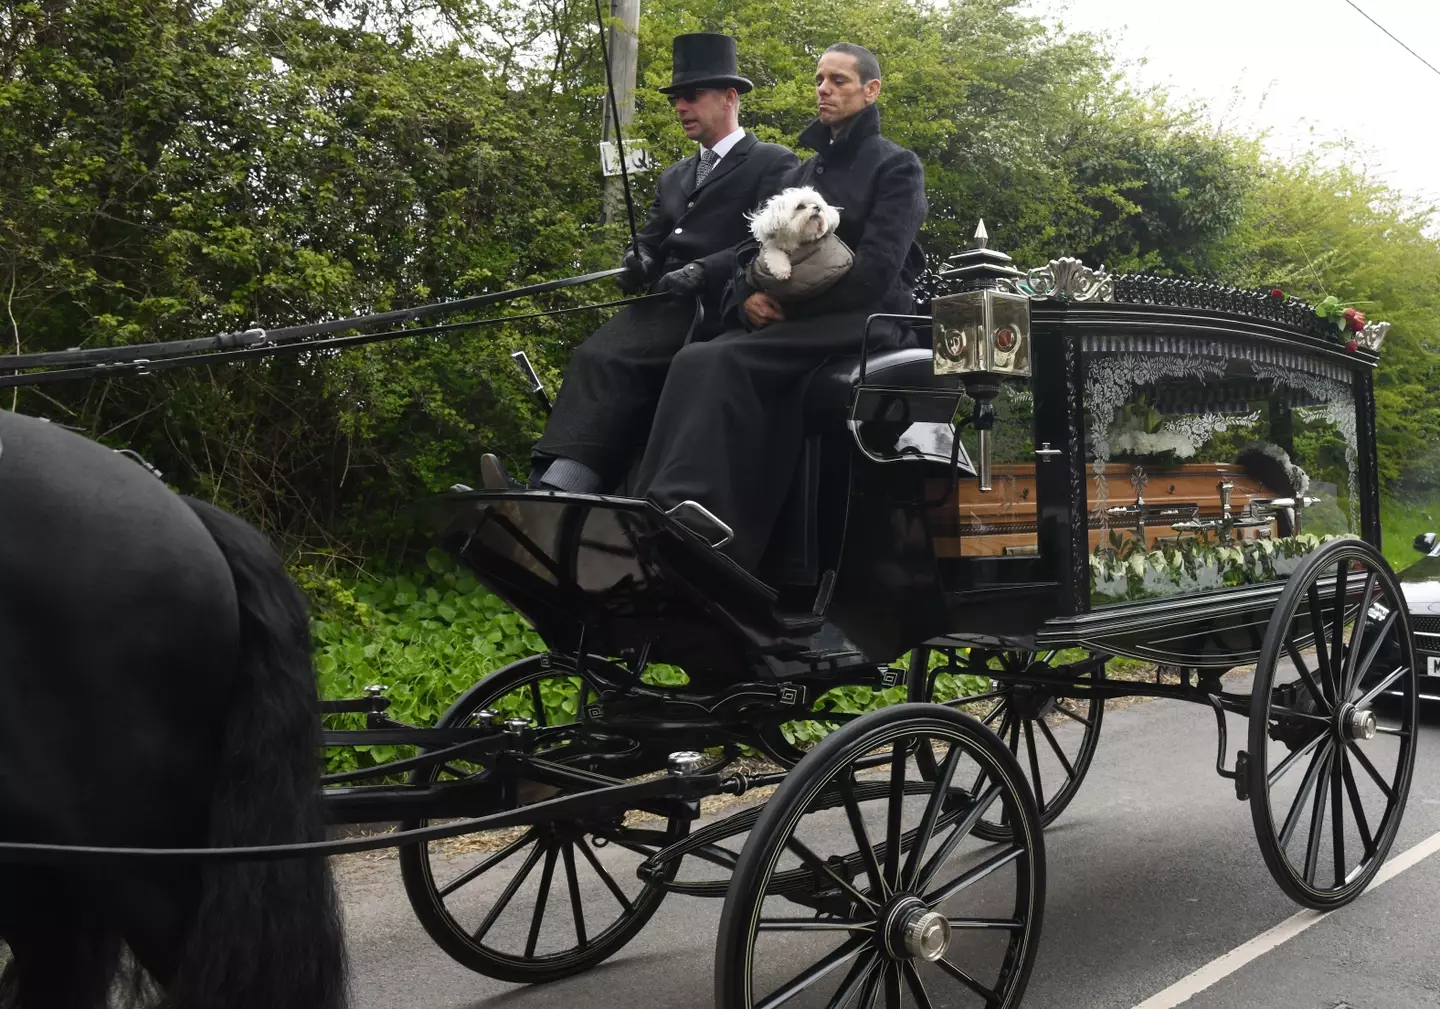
[[1153, 873]]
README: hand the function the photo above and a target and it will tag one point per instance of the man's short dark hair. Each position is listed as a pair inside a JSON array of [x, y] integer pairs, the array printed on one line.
[[866, 64]]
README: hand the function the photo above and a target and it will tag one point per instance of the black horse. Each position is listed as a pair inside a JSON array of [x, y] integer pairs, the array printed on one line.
[[156, 690]]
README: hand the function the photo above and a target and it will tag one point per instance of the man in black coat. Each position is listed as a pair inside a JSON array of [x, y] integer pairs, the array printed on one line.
[[729, 425], [687, 246]]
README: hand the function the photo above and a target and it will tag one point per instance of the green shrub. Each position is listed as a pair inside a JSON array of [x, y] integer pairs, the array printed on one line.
[[425, 637], [429, 635]]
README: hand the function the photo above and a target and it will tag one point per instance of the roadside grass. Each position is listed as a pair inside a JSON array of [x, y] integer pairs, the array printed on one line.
[[1401, 521]]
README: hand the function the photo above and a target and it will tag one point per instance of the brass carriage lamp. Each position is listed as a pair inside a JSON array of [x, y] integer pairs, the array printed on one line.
[[982, 334]]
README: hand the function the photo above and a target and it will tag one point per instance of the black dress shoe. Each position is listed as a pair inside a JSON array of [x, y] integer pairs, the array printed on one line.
[[493, 475]]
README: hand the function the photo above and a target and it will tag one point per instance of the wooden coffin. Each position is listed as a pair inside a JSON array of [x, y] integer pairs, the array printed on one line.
[[1147, 503]]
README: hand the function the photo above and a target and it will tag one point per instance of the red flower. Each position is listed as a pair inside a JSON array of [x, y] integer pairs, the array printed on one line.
[[1352, 346], [1355, 321], [1276, 293]]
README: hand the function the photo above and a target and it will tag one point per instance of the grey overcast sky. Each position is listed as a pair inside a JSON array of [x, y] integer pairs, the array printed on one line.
[[1307, 70]]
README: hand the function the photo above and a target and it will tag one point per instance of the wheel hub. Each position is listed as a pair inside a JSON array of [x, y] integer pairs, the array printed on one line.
[[911, 930], [1357, 723], [1030, 702], [926, 934]]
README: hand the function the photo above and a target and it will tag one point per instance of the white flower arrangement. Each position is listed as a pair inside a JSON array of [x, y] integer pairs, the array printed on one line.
[[1138, 442]]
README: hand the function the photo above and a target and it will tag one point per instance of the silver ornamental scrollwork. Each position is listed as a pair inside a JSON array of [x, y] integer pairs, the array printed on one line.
[[1373, 335], [1069, 278]]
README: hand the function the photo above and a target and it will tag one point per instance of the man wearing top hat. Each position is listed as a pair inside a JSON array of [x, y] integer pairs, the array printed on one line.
[[686, 248]]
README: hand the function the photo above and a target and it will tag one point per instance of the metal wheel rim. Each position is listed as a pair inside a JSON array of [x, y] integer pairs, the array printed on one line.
[[1329, 767], [1037, 740], [559, 860], [1014, 968]]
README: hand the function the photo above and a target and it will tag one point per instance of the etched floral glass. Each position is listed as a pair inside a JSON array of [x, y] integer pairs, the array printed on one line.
[[1211, 463]]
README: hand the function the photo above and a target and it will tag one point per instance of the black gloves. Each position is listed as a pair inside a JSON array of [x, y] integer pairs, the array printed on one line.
[[682, 283], [639, 266]]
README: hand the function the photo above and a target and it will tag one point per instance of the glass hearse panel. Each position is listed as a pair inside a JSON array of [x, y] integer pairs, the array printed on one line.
[[1212, 463], [1208, 463]]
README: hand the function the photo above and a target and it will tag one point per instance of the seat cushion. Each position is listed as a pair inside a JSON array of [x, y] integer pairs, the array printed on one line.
[[830, 387]]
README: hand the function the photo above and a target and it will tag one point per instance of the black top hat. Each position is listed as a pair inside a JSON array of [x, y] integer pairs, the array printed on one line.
[[705, 60]]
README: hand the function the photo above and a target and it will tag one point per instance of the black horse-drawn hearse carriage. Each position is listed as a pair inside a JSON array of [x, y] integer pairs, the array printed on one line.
[[1078, 469], [1142, 468]]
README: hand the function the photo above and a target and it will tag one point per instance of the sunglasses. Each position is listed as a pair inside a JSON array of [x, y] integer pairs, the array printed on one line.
[[687, 94]]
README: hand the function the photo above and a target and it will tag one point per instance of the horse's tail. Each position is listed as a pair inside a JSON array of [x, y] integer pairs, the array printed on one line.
[[267, 935]]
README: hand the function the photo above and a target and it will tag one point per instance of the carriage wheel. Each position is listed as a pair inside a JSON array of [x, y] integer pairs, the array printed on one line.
[[1327, 772], [540, 903], [862, 881], [1054, 738]]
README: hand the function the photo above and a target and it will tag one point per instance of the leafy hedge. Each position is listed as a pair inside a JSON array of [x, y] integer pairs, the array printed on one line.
[[428, 635]]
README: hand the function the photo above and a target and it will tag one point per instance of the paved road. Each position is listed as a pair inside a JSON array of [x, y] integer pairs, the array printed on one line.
[[1153, 873]]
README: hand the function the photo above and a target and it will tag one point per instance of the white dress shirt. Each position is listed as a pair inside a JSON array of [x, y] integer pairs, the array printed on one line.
[[722, 146]]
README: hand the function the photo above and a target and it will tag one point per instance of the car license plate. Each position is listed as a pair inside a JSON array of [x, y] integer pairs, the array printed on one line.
[[1432, 665]]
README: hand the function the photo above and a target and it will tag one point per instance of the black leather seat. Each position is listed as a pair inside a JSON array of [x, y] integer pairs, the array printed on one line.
[[793, 557], [831, 387]]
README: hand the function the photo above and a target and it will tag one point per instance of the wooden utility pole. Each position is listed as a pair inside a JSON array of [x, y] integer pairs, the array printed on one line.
[[624, 47]]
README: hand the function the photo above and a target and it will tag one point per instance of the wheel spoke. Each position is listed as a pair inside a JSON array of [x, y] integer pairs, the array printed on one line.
[[957, 834], [892, 986], [508, 893], [988, 924], [1298, 716], [538, 702], [1317, 823], [1380, 687], [1371, 650], [1072, 715], [605, 877], [1322, 657], [543, 898], [1306, 784], [862, 836], [926, 830], [1054, 745], [872, 985], [1034, 764], [972, 876], [1370, 769], [1002, 706], [1354, 669], [1337, 818], [895, 810], [816, 864], [814, 973], [1298, 661], [576, 905], [1356, 805], [861, 971], [814, 925], [485, 865], [1290, 760], [1337, 661], [916, 986], [991, 998], [981, 776]]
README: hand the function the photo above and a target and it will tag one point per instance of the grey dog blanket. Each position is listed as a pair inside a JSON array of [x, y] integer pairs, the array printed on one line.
[[815, 267]]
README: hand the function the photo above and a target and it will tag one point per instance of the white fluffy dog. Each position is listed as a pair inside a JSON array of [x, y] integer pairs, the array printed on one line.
[[790, 219]]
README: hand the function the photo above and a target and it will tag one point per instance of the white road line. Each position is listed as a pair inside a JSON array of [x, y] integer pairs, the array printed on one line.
[[1222, 967]]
